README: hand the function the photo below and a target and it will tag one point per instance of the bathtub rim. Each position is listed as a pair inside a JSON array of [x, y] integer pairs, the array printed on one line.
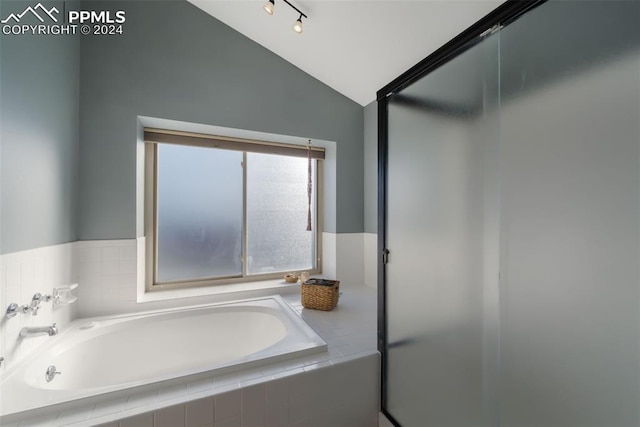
[[56, 349]]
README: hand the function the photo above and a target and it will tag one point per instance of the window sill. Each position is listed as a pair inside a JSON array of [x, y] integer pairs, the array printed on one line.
[[237, 290]]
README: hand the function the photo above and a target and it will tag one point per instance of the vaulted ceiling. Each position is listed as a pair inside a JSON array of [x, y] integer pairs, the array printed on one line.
[[354, 46]]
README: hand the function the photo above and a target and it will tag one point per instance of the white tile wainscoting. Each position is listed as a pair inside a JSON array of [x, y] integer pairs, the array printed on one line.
[[111, 274], [342, 383]]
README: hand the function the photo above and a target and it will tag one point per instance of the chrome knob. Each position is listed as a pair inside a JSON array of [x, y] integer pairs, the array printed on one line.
[[35, 303], [51, 373]]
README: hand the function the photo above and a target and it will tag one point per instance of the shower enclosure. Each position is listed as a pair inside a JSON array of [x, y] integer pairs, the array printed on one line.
[[510, 223]]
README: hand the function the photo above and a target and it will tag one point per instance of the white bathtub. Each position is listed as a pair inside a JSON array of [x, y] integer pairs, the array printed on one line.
[[121, 353]]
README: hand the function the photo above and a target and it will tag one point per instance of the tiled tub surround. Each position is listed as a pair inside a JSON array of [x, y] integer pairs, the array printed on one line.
[[112, 354], [342, 395], [339, 387], [22, 274]]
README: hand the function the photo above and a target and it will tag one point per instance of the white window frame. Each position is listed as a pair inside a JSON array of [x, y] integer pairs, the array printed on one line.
[[154, 137]]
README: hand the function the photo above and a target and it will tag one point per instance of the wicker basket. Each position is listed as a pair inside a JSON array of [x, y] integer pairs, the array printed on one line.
[[320, 294]]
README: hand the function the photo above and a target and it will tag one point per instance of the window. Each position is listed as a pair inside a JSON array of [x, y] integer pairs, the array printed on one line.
[[224, 210]]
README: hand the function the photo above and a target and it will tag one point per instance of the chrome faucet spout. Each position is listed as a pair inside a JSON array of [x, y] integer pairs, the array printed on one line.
[[36, 331]]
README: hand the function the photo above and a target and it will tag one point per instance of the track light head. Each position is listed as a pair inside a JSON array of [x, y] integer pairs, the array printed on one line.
[[268, 6], [297, 26]]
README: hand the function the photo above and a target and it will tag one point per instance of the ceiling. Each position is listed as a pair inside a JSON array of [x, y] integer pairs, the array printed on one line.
[[354, 46]]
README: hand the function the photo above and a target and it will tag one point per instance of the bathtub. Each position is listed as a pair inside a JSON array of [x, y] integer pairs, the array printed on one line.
[[121, 354]]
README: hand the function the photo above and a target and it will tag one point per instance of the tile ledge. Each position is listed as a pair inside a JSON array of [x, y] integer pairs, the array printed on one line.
[[236, 289]]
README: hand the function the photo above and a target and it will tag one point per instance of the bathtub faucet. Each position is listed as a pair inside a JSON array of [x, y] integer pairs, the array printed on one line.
[[37, 331]]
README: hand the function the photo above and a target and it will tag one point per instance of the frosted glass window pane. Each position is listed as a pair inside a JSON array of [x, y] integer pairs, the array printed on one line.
[[199, 213], [277, 236]]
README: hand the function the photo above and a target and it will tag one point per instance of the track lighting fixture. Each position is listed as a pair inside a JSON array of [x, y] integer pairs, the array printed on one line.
[[269, 7], [297, 27]]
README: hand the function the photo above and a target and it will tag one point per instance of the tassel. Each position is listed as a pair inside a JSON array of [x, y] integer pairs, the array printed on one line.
[[309, 186]]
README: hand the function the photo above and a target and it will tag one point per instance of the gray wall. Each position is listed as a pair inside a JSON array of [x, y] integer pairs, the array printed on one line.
[[371, 168], [176, 62], [38, 137]]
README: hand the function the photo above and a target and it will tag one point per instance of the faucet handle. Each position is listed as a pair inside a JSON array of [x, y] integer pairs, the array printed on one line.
[[12, 310], [35, 303], [35, 300]]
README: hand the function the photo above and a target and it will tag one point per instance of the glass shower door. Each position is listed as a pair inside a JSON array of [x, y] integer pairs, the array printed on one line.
[[513, 225], [442, 234]]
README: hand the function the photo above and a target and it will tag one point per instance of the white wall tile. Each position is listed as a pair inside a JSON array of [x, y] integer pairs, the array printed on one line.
[[13, 283], [110, 267], [229, 422], [254, 405], [349, 259], [39, 272], [329, 252], [199, 413], [173, 416], [128, 266], [110, 281], [277, 411], [90, 270], [228, 406], [128, 252], [108, 272], [87, 254], [27, 285], [143, 420], [141, 274], [370, 254], [110, 253], [302, 423], [300, 404]]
